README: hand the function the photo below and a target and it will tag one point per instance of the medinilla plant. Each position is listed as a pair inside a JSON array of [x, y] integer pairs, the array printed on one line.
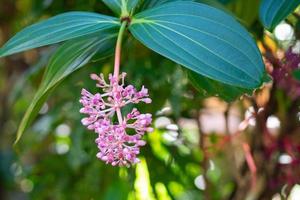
[[219, 54]]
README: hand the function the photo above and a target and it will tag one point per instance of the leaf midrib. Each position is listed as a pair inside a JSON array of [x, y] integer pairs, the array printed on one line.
[[146, 20], [215, 68], [214, 36]]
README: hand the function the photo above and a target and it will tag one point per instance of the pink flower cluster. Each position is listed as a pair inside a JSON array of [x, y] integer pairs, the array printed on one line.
[[119, 137]]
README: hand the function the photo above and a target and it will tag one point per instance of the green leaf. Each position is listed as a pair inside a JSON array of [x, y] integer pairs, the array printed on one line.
[[272, 12], [296, 74], [245, 10], [69, 57], [202, 39], [57, 29], [208, 87], [154, 3], [147, 4], [121, 7]]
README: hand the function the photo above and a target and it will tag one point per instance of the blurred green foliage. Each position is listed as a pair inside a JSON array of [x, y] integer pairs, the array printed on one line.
[[56, 158]]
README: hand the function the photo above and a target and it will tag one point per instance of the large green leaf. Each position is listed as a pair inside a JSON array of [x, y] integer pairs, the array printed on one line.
[[69, 57], [203, 39], [57, 29], [121, 7], [272, 12]]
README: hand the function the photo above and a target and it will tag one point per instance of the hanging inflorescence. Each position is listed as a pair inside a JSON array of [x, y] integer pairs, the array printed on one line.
[[104, 117]]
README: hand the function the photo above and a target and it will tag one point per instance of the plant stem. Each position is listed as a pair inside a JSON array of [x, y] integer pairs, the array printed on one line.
[[118, 50], [118, 61]]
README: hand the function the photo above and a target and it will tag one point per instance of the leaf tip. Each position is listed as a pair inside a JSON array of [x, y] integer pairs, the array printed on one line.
[[4, 52], [266, 78], [18, 137], [1, 53]]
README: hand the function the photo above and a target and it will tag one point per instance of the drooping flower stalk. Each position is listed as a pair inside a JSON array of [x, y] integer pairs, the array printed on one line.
[[105, 118], [118, 61], [118, 50]]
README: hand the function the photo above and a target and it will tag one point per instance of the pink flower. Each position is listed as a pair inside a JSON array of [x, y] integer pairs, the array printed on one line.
[[116, 145]]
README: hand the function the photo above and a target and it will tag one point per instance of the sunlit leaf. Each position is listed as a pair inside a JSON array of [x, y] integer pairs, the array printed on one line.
[[245, 10]]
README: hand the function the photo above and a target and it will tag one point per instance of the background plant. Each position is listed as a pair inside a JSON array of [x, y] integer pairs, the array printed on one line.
[[166, 80]]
